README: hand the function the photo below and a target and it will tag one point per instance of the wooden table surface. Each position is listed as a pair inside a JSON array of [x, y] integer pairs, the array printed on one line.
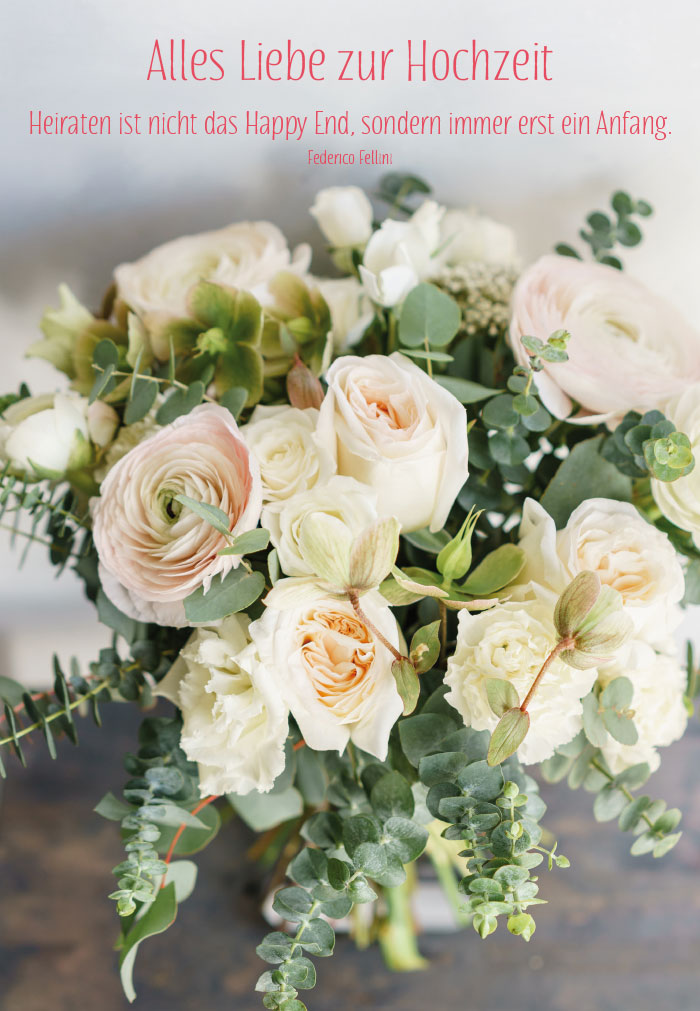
[[620, 933]]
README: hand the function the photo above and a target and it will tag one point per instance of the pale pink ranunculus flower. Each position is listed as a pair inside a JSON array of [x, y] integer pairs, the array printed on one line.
[[153, 551], [629, 349]]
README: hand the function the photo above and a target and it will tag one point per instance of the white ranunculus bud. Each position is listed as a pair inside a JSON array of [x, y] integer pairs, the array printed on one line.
[[351, 310], [679, 500], [283, 441], [469, 237], [344, 215], [234, 721], [46, 435], [352, 504], [511, 642], [102, 421], [331, 671], [402, 253], [392, 427]]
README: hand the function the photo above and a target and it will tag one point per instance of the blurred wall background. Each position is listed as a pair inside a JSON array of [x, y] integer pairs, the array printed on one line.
[[73, 207]]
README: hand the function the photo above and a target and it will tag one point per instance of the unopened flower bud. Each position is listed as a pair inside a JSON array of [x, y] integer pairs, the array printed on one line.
[[303, 387], [455, 559], [593, 617]]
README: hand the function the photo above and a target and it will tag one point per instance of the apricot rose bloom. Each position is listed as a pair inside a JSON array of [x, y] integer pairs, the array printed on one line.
[[153, 551], [629, 349], [332, 672]]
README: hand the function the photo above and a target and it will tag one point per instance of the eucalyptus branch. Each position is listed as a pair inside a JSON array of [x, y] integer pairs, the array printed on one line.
[[161, 380], [621, 787], [38, 724]]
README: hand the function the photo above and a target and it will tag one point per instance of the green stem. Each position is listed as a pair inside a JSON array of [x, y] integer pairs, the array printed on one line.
[[302, 927], [154, 379], [621, 788], [95, 690], [428, 361], [559, 648], [397, 936]]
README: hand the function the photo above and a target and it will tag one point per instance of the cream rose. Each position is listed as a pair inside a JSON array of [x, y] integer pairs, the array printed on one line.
[[390, 426], [234, 723], [402, 253], [331, 671], [511, 641], [344, 215], [468, 237], [354, 504], [246, 255], [659, 712], [679, 500], [629, 349], [627, 553], [154, 552], [48, 433], [283, 441], [351, 310]]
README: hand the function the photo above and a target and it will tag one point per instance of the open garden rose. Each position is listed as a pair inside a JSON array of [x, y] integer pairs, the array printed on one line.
[[153, 551], [234, 721], [629, 349], [343, 497], [469, 237], [611, 539], [658, 707], [511, 641], [283, 441], [392, 427], [402, 253], [332, 672], [246, 255], [679, 500]]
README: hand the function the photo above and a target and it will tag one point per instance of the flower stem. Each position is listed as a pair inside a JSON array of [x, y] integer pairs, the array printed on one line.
[[443, 631], [355, 601], [559, 648], [153, 379], [95, 690], [176, 838]]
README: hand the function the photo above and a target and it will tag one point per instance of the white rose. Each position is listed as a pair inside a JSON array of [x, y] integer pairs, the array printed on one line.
[[511, 641], [331, 671], [283, 441], [344, 215], [629, 349], [402, 253], [343, 497], [660, 715], [679, 500], [234, 722], [47, 432], [467, 237], [351, 310], [611, 539], [389, 425], [246, 255]]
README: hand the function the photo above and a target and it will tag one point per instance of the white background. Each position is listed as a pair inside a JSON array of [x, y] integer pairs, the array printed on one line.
[[73, 207]]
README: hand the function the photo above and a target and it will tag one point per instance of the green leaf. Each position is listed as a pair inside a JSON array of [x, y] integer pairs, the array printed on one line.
[[180, 402], [500, 413], [423, 734], [424, 540], [182, 874], [408, 840], [235, 592], [592, 721], [407, 684], [496, 570], [293, 903], [275, 948], [308, 868], [371, 859], [609, 803], [481, 781], [465, 390], [618, 694], [633, 812], [425, 647], [115, 619], [396, 186], [508, 735], [501, 695], [391, 797], [359, 829], [265, 810], [11, 691], [240, 367], [141, 400], [428, 314], [248, 543], [508, 448], [509, 876], [428, 356], [192, 840], [104, 383], [234, 400], [666, 844], [318, 938], [434, 769], [157, 918], [214, 516], [584, 474], [112, 808]]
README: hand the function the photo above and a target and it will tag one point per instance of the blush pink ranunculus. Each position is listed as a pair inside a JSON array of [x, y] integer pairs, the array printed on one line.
[[629, 349], [154, 551]]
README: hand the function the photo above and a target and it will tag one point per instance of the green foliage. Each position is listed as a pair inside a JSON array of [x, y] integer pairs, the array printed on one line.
[[649, 446], [605, 231], [396, 187], [584, 474], [429, 318], [236, 591], [582, 764]]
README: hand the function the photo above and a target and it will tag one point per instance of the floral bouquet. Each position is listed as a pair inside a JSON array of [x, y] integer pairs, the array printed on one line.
[[394, 545]]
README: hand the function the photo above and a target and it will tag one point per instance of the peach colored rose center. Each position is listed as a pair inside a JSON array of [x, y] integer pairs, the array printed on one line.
[[338, 652], [623, 568], [395, 410]]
